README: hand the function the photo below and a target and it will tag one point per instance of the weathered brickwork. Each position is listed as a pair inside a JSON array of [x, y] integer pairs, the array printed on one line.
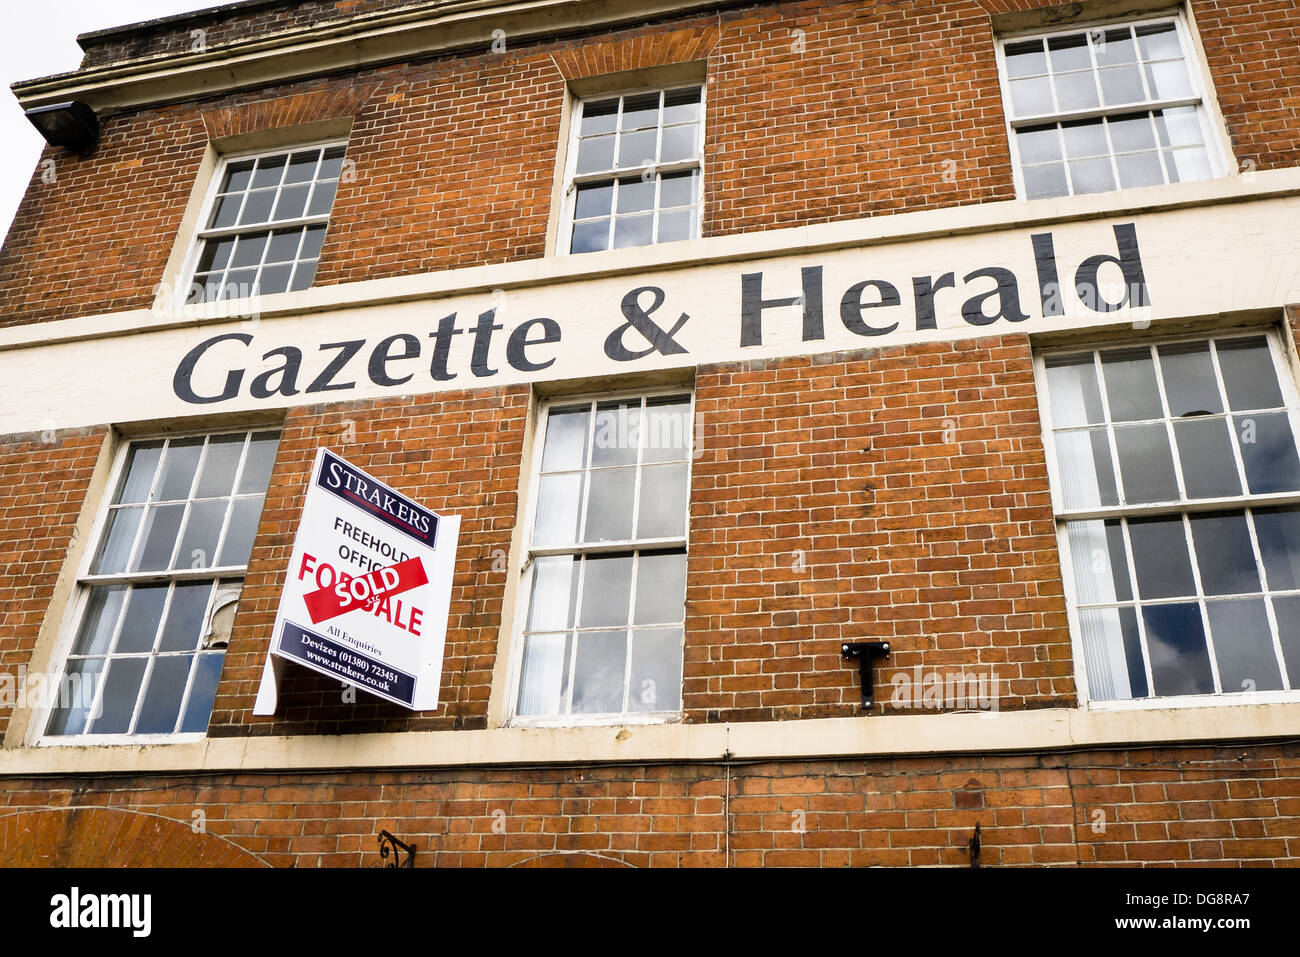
[[1204, 806]]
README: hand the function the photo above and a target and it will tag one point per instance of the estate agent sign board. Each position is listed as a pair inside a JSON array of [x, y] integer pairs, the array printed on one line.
[[368, 589]]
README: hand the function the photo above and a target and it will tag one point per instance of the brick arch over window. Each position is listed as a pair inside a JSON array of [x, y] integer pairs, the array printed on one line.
[[332, 103], [636, 53], [111, 837]]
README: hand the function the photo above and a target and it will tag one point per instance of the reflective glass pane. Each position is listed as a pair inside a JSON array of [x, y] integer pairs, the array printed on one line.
[[679, 143], [1269, 452], [660, 587], [302, 166], [1190, 384], [178, 469], [542, 680], [1132, 133], [557, 510], [1069, 53], [1042, 182], [1100, 561], [1086, 469], [185, 616], [1248, 374], [1159, 41], [1180, 660], [1092, 176], [122, 526], [596, 154], [100, 620], [1286, 608], [142, 463], [1073, 391], [202, 531], [1113, 654], [1168, 80], [219, 464], [1025, 58], [1076, 91], [591, 237], [162, 698], [599, 116], [1160, 557], [203, 689], [656, 679], [1139, 169], [667, 430], [322, 197], [241, 531], [676, 226], [640, 111], [162, 526], [1031, 97], [593, 200], [1205, 453], [258, 463], [566, 439], [1224, 555], [238, 176], [663, 502], [677, 189], [1145, 464], [1084, 139], [1243, 646], [682, 106], [1113, 47], [73, 707], [636, 195], [1122, 84], [606, 590], [632, 231], [609, 505], [144, 609], [121, 688], [600, 672], [617, 434], [554, 593], [1278, 533]]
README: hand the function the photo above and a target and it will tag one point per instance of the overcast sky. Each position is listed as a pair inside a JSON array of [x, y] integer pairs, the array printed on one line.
[[37, 38]]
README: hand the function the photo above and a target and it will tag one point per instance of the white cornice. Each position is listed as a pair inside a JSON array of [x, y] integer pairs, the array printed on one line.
[[346, 45]]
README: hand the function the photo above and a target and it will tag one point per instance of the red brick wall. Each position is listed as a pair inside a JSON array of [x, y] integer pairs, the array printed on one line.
[[899, 495], [816, 112], [43, 481], [1204, 806]]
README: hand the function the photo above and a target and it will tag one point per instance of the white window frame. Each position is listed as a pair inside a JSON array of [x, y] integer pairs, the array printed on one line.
[[572, 179], [86, 580], [524, 590], [201, 234], [1063, 515], [1200, 98]]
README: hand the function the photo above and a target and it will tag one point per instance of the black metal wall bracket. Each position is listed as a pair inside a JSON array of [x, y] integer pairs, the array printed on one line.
[[389, 845], [866, 652]]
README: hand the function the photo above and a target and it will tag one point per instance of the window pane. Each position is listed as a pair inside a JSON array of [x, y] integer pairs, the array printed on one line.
[[1073, 392], [73, 705], [1158, 41], [660, 587], [596, 155], [592, 237], [676, 226], [640, 111], [121, 688], [162, 698], [1113, 654], [1086, 469], [273, 279], [241, 531], [542, 685], [632, 231], [1269, 452], [1248, 374], [322, 198], [219, 464], [1100, 561], [1278, 533], [682, 106], [1132, 133], [617, 434], [555, 593], [284, 245], [238, 176], [331, 166], [599, 116], [142, 463], [678, 144], [257, 207], [203, 690], [1180, 661], [1205, 452], [1139, 169], [606, 590], [1113, 47], [258, 463], [593, 201], [1031, 97], [1190, 383], [1243, 646], [1038, 144], [1122, 84], [100, 620], [557, 510], [1168, 80], [144, 610], [1045, 181], [185, 616], [178, 468], [663, 502], [161, 528], [270, 170], [1145, 464], [599, 672], [678, 189], [1179, 127], [292, 202], [1188, 166], [656, 680], [1287, 611], [1084, 139], [202, 531], [566, 439], [1224, 554], [636, 195], [609, 505], [302, 166], [1076, 91], [122, 526], [1026, 58], [667, 430], [1092, 176], [1160, 557]]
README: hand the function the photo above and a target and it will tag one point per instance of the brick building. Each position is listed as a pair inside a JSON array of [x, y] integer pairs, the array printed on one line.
[[762, 349]]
